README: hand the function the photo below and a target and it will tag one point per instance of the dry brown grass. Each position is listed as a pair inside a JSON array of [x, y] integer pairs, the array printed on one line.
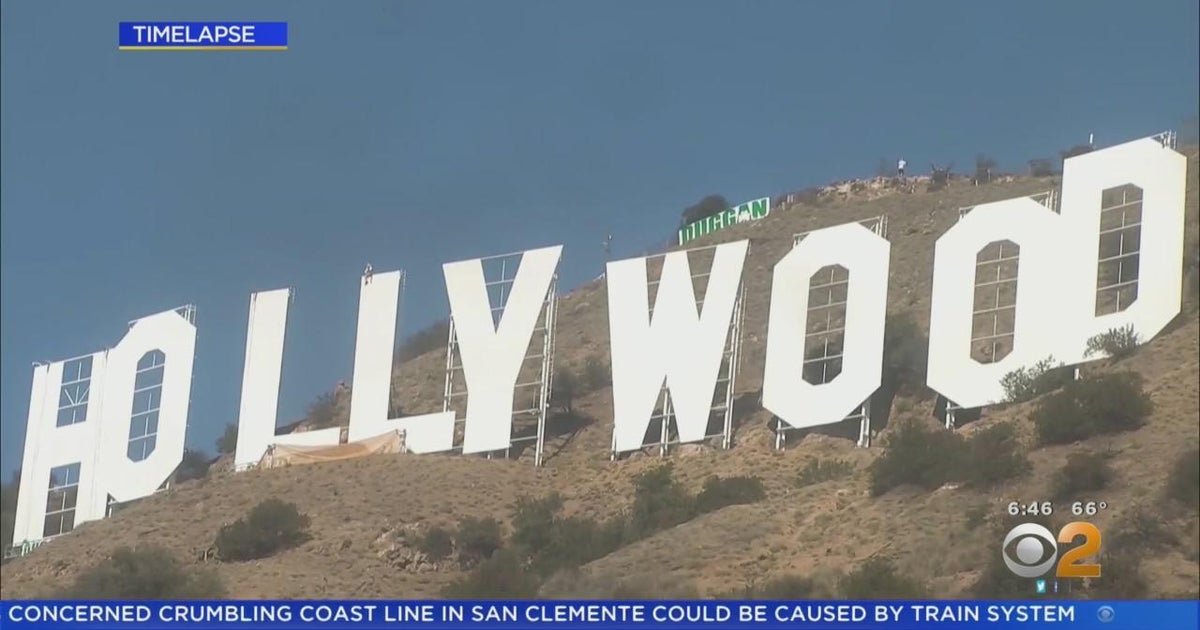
[[819, 530]]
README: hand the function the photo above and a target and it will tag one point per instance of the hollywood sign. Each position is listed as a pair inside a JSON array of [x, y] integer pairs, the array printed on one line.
[[110, 426]]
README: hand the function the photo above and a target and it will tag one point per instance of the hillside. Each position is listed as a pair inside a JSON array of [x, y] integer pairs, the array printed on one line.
[[358, 507]]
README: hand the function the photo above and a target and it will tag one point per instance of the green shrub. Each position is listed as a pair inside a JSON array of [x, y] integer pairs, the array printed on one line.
[[822, 470], [577, 541], [533, 522], [1141, 530], [477, 539], [193, 466], [597, 374], [1183, 483], [918, 455], [227, 443], [437, 543], [271, 526], [994, 454], [1043, 167], [566, 387], [551, 542], [1032, 381], [905, 353], [659, 502], [996, 581], [976, 516], [500, 576], [702, 209], [930, 457], [144, 573], [1116, 343], [985, 167], [721, 492], [322, 412], [1110, 403], [428, 339], [1083, 472], [877, 579], [1121, 577]]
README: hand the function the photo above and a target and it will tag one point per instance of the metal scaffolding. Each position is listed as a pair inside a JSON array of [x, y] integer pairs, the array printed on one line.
[[664, 413], [535, 379], [861, 413]]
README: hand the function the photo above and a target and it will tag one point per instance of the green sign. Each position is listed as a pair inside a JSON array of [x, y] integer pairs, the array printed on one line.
[[749, 211]]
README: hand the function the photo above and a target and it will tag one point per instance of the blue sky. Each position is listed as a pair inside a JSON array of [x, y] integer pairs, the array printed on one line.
[[409, 134]]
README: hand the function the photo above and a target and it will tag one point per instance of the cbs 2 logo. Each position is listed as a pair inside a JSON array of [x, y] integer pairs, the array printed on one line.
[[1036, 550]]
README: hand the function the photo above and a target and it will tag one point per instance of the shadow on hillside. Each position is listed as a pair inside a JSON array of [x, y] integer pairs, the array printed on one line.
[[558, 424], [744, 407]]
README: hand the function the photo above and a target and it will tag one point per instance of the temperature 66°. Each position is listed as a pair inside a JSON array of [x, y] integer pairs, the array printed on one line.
[[1090, 507]]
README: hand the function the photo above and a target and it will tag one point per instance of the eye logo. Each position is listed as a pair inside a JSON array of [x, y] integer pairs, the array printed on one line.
[[1030, 550], [1026, 559]]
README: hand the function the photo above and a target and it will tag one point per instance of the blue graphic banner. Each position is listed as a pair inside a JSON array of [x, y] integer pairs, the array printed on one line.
[[202, 36], [799, 615]]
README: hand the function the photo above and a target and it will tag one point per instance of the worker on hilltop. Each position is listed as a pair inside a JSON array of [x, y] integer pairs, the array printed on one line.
[[900, 167]]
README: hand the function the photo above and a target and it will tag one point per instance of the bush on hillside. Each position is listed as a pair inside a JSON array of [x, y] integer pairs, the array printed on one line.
[[322, 412], [193, 466], [1116, 343], [939, 178], [877, 578], [1097, 405], [597, 374], [500, 576], [565, 388], [719, 492], [437, 543], [1183, 483], [143, 573], [477, 539], [270, 527], [929, 457], [227, 443], [905, 351], [985, 168], [659, 502], [533, 522], [994, 455], [704, 208], [1043, 167], [920, 455], [1141, 530], [1121, 577], [996, 581], [1029, 382], [1083, 473], [428, 339], [821, 470], [550, 542], [809, 197]]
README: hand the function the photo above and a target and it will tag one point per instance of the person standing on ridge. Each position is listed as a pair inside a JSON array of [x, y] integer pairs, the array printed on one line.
[[900, 167]]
